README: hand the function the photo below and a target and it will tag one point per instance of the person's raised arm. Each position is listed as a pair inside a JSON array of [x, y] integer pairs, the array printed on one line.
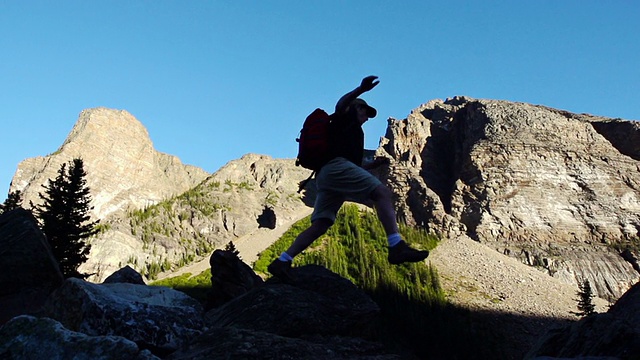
[[367, 84]]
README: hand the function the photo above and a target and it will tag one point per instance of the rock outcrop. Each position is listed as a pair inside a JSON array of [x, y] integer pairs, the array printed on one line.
[[28, 270], [123, 168], [156, 318], [29, 337], [612, 335], [557, 190], [323, 317], [230, 277]]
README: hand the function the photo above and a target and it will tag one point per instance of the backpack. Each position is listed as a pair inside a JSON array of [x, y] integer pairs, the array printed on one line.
[[313, 143]]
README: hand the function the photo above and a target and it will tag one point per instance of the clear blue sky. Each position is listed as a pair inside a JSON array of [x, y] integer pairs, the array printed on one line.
[[213, 80]]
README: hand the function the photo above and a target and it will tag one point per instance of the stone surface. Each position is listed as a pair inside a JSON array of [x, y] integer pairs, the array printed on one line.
[[324, 304], [28, 337], [230, 278], [156, 318], [554, 189], [125, 275], [233, 343], [323, 316], [614, 334], [28, 270]]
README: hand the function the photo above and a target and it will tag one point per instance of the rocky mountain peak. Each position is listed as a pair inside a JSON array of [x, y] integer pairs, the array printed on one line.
[[117, 129], [557, 190], [123, 168]]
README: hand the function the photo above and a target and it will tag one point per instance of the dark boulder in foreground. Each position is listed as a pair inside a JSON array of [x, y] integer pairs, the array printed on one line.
[[28, 270], [612, 335]]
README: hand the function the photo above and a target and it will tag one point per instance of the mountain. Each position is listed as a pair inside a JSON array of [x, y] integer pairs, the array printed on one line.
[[248, 194], [124, 171], [556, 190]]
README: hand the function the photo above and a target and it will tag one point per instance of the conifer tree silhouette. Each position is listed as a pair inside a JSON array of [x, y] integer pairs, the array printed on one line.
[[232, 248], [64, 217], [585, 299], [13, 201]]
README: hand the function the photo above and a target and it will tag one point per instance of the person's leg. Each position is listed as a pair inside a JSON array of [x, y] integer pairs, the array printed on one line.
[[307, 237], [281, 267], [399, 251], [381, 197], [325, 208]]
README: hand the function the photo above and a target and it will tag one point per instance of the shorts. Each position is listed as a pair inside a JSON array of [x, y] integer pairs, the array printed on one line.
[[338, 181]]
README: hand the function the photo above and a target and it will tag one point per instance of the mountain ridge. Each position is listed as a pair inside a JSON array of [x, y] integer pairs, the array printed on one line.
[[529, 181]]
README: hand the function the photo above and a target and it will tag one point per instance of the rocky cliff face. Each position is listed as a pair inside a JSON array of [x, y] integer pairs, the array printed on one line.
[[246, 194], [123, 168], [557, 190]]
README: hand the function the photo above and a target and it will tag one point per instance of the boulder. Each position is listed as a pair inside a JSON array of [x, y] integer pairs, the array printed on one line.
[[28, 337], [322, 316], [125, 275], [321, 303], [28, 270], [230, 277], [156, 318], [614, 334]]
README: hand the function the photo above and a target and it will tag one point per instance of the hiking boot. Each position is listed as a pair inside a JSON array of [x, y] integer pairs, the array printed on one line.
[[401, 253], [281, 270]]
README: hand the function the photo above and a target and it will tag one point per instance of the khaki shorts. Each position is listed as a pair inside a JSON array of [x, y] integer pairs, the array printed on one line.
[[338, 181]]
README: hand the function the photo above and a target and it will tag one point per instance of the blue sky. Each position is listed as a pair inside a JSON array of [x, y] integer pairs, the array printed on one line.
[[213, 80]]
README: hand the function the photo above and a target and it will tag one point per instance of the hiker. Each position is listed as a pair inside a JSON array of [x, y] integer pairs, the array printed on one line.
[[343, 178]]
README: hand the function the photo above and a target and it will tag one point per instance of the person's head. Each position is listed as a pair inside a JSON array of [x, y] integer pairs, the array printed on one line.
[[361, 111]]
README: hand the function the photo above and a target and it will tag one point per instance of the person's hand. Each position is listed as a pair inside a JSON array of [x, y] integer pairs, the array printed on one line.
[[369, 83]]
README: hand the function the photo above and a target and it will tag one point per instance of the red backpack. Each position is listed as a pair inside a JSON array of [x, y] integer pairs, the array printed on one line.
[[313, 143]]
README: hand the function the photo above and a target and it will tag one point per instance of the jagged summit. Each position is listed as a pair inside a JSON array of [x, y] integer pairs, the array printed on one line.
[[116, 128], [123, 168]]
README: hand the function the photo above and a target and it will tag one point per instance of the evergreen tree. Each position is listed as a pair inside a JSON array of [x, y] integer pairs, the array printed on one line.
[[585, 299], [64, 217], [13, 201], [232, 248]]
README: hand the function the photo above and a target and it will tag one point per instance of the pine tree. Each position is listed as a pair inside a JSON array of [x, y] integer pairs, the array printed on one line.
[[64, 217], [13, 201], [585, 299], [232, 248]]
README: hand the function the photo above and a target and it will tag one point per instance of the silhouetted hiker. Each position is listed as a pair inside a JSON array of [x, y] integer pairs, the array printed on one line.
[[343, 178]]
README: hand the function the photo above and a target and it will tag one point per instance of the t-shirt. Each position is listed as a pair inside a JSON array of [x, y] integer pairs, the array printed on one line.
[[346, 138]]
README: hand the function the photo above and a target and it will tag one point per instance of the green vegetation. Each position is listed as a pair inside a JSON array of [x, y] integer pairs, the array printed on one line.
[[355, 248], [198, 287], [102, 227]]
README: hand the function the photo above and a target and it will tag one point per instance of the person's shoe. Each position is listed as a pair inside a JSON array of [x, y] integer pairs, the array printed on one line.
[[281, 270], [402, 253]]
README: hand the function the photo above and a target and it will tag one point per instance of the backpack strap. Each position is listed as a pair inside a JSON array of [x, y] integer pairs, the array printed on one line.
[[304, 183]]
